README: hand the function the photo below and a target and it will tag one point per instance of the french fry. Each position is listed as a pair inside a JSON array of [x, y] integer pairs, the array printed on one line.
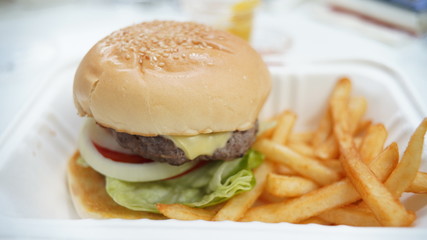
[[328, 149], [351, 217], [302, 148], [358, 141], [323, 130], [382, 203], [419, 185], [304, 137], [288, 186], [338, 104], [373, 142], [362, 127], [282, 169], [307, 167], [215, 208], [406, 171], [267, 198], [236, 207], [284, 127], [387, 160], [335, 165], [404, 175], [182, 212], [357, 108], [313, 203], [315, 220], [305, 206]]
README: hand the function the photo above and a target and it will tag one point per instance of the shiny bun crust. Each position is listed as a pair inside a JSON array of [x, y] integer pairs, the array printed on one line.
[[171, 78]]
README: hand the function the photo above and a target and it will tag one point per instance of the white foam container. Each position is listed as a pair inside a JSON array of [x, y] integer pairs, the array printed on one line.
[[34, 200]]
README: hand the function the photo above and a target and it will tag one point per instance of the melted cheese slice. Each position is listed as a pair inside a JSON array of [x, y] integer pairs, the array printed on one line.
[[202, 144]]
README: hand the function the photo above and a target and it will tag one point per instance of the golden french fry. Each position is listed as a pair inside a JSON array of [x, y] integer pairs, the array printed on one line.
[[284, 127], [282, 169], [307, 167], [215, 208], [386, 160], [182, 212], [267, 197], [288, 186], [335, 165], [366, 166], [315, 220], [357, 108], [419, 185], [405, 172], [306, 206], [323, 130], [313, 203], [304, 137], [350, 216], [358, 141], [339, 105], [236, 207], [302, 148], [373, 142], [328, 149], [362, 127], [382, 203]]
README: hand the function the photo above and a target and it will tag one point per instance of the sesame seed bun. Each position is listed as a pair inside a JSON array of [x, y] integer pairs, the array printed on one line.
[[171, 78]]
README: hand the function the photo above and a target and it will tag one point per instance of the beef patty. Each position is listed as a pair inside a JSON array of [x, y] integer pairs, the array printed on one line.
[[162, 149]]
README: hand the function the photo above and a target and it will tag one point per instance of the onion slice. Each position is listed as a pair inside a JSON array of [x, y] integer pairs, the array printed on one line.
[[131, 172], [103, 137]]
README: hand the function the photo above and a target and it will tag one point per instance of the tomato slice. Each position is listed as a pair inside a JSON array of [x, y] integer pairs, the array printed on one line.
[[120, 157], [131, 158]]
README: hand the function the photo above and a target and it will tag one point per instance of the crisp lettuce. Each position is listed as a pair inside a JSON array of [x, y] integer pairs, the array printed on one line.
[[213, 183]]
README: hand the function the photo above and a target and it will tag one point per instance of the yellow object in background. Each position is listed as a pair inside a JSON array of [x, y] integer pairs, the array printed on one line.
[[242, 18]]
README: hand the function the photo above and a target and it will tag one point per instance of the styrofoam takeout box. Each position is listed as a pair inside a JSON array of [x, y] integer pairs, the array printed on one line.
[[34, 200]]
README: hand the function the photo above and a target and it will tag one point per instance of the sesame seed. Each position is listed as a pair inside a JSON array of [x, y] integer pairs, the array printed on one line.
[[155, 40]]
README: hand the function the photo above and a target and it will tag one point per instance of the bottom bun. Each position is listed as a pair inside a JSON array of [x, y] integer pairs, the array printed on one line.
[[87, 189]]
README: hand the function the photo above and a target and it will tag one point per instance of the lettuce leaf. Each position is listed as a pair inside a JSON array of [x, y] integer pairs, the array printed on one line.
[[213, 183]]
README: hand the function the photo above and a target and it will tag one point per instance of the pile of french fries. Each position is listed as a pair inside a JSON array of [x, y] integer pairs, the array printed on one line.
[[339, 174]]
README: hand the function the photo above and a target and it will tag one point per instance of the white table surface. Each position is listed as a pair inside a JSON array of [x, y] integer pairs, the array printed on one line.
[[38, 39]]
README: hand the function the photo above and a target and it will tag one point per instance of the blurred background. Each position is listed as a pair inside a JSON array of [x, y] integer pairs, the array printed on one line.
[[38, 37]]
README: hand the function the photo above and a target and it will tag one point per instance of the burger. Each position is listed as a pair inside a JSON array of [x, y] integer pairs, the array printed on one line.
[[170, 114]]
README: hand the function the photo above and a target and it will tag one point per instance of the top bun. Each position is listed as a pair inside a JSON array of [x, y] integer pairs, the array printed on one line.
[[171, 78]]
